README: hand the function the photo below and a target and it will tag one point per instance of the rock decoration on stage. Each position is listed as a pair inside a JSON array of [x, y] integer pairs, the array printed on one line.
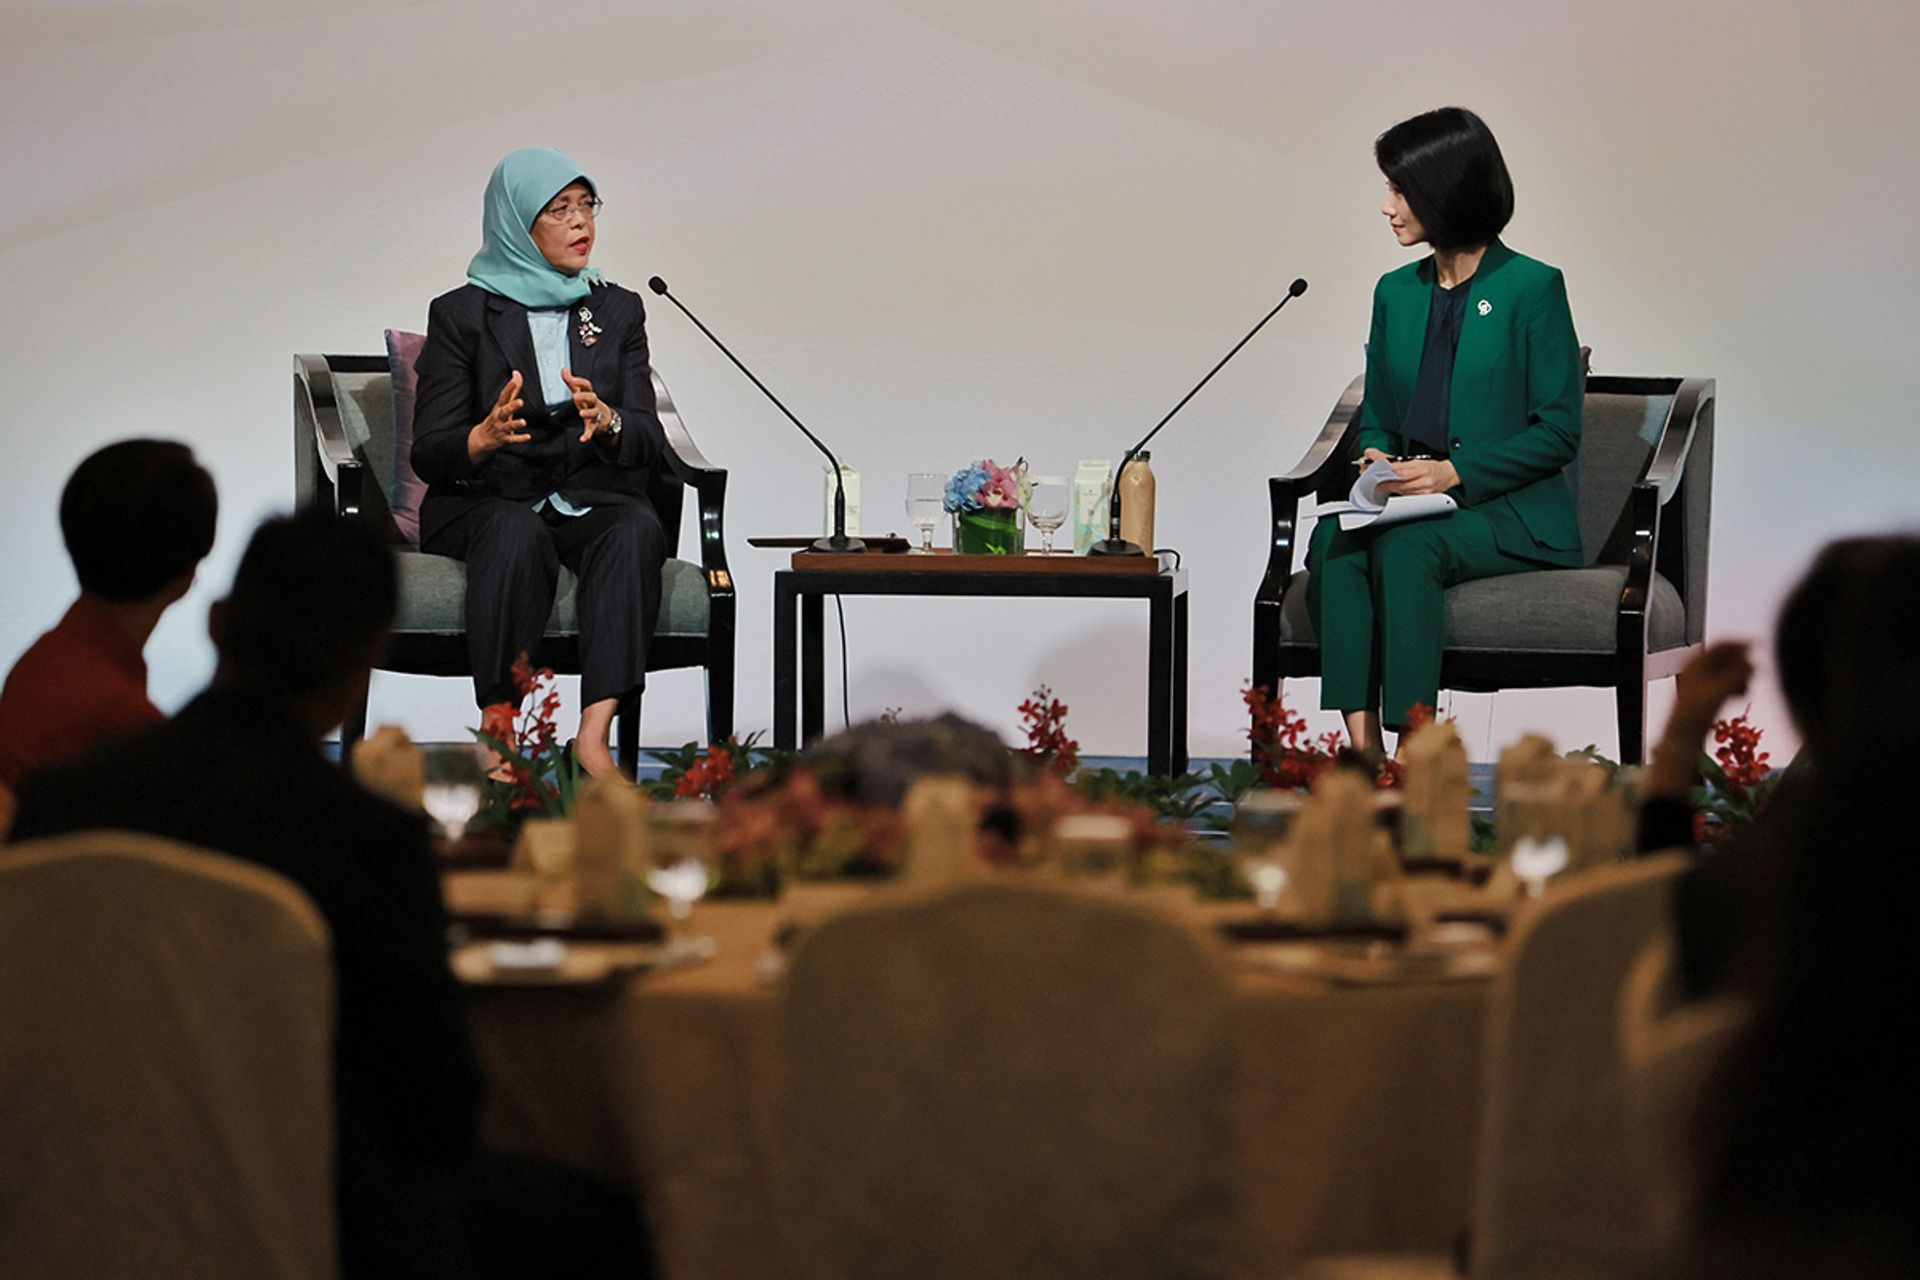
[[1436, 794], [390, 765], [610, 847]]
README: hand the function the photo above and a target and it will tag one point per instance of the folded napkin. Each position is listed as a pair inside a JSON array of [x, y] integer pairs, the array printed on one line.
[[1601, 823], [388, 764], [1529, 795], [939, 819], [545, 847], [1337, 852], [609, 846], [1438, 788]]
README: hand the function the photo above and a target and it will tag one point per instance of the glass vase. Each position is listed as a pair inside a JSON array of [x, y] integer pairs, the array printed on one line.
[[990, 531]]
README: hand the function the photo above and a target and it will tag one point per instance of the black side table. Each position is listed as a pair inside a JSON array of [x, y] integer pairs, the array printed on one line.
[[817, 575]]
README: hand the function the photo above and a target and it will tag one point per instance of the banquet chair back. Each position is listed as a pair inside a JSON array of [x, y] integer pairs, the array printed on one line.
[[1673, 1049], [166, 1023], [1560, 1192], [1007, 1081]]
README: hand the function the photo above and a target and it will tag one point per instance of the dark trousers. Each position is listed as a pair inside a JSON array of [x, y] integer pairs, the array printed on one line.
[[513, 556]]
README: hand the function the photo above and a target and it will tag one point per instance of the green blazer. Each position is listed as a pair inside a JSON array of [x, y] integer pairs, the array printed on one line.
[[1514, 419]]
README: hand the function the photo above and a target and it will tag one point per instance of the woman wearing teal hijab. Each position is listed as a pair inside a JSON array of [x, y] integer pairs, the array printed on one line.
[[536, 434]]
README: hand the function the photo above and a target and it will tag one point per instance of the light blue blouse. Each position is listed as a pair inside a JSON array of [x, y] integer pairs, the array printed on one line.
[[550, 353]]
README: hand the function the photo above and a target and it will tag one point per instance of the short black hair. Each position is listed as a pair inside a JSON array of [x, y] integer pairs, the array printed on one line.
[[136, 515], [1448, 166], [311, 602]]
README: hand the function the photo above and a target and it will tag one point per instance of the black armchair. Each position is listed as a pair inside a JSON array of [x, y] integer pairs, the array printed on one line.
[[1636, 612], [343, 428]]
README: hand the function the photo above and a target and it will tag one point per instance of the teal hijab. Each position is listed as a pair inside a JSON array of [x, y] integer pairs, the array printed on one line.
[[509, 263]]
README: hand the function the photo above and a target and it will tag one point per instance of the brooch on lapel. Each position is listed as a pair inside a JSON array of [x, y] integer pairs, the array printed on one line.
[[589, 331], [1486, 308]]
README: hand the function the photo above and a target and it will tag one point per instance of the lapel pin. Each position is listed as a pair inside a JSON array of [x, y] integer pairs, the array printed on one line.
[[589, 331], [1486, 308]]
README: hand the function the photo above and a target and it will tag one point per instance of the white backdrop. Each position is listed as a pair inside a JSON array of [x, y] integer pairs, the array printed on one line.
[[944, 229]]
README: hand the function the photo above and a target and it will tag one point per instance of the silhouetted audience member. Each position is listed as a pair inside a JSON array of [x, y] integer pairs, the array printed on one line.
[[138, 518], [1807, 1135], [877, 762], [240, 771]]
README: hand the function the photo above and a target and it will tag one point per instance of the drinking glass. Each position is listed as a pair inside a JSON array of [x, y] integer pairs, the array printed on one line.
[[1048, 506], [1535, 861], [926, 502], [680, 859], [1267, 877], [452, 793]]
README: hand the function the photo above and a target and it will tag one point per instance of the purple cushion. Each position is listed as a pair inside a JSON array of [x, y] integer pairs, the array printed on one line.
[[404, 489]]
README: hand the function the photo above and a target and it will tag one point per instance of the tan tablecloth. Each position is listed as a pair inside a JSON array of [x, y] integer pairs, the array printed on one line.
[[1358, 1103]]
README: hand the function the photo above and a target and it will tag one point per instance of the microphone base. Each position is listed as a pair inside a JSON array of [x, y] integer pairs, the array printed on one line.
[[1115, 547], [839, 544]]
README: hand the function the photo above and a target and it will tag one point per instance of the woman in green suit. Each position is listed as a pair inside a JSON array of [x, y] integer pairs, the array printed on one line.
[[1473, 389]]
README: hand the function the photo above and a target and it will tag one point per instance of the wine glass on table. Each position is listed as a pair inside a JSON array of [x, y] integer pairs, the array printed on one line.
[[1047, 508], [926, 502], [451, 795], [680, 857]]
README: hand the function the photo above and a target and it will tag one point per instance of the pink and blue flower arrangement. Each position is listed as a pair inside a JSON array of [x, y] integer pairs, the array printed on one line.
[[986, 500]]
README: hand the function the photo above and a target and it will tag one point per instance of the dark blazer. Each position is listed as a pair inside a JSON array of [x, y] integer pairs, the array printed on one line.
[[1514, 418], [232, 774], [475, 341]]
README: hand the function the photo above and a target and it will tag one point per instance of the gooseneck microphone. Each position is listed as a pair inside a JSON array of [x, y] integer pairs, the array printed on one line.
[[1114, 544], [839, 541]]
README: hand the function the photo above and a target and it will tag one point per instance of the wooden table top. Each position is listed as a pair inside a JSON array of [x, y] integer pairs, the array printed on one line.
[[944, 560]]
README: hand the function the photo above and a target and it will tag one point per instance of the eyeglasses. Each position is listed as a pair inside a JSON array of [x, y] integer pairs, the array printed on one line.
[[559, 213]]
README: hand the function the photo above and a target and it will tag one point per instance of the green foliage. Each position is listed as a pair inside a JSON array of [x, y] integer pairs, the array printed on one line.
[[749, 757], [1723, 802], [555, 781], [675, 761], [1232, 782], [1214, 872], [1591, 754], [1176, 799]]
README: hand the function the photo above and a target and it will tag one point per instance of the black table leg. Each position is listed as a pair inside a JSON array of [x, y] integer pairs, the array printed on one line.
[[1179, 764], [783, 662], [813, 669], [1160, 678]]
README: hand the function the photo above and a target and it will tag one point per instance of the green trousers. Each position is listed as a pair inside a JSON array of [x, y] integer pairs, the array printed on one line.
[[1375, 598]]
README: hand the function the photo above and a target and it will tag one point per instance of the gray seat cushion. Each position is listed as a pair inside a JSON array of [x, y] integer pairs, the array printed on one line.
[[1546, 611], [433, 594]]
